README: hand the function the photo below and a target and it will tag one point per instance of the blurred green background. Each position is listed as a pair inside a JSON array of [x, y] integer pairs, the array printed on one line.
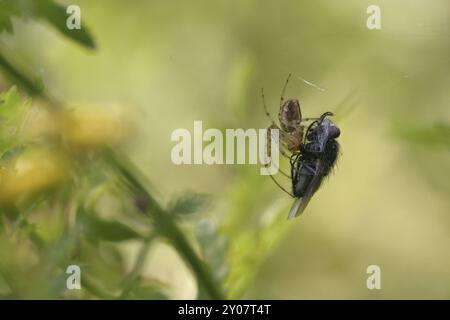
[[168, 63]]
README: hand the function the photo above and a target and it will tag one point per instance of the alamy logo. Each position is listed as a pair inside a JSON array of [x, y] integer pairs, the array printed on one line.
[[374, 280], [74, 20], [239, 146], [374, 19], [73, 281]]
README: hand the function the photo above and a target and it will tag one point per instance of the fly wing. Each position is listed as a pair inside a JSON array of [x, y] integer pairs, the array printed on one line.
[[300, 203]]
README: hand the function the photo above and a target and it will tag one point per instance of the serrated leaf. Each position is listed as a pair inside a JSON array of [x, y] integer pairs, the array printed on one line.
[[12, 114], [189, 203], [214, 247], [11, 105]]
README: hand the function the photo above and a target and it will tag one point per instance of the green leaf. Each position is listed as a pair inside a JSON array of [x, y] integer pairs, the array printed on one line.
[[47, 10], [9, 153], [98, 229], [188, 203], [12, 114], [56, 15], [19, 78], [214, 248], [8, 9], [147, 292], [11, 106]]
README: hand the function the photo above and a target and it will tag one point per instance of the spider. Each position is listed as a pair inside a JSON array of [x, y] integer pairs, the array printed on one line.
[[312, 154], [290, 127]]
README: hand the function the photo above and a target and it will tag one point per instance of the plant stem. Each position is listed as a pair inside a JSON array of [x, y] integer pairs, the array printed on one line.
[[166, 225], [134, 273], [17, 77]]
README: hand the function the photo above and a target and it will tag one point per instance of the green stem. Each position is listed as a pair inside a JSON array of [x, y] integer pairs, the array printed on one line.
[[89, 286], [134, 273], [164, 222], [166, 225], [17, 77]]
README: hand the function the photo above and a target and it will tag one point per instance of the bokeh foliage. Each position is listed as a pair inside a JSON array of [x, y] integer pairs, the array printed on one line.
[[70, 196]]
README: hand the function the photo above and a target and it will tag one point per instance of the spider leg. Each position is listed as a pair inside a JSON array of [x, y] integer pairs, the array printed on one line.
[[279, 170], [291, 142], [293, 158], [269, 138], [284, 174], [284, 90], [281, 187], [284, 143], [266, 111], [283, 140], [269, 149], [282, 147]]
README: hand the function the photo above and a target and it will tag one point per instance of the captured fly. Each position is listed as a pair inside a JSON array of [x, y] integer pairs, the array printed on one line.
[[314, 162], [312, 152]]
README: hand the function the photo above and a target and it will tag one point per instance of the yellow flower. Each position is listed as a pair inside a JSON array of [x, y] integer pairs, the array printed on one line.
[[94, 127], [34, 171]]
